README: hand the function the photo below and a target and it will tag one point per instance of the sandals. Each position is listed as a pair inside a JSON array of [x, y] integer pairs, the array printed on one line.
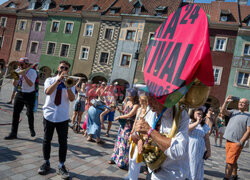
[[111, 162], [100, 142], [107, 134]]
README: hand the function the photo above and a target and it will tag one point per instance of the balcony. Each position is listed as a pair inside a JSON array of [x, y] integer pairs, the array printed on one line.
[[241, 62]]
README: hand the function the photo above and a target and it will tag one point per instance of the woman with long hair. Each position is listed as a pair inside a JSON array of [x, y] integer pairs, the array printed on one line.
[[135, 156], [121, 149], [199, 144]]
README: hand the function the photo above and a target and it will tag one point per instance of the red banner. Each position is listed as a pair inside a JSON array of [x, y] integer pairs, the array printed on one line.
[[179, 52]]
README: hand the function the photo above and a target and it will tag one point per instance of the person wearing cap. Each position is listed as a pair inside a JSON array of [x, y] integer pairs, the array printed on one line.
[[56, 116], [160, 120], [25, 96]]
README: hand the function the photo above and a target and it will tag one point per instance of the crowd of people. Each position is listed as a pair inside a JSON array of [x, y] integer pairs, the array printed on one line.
[[142, 120]]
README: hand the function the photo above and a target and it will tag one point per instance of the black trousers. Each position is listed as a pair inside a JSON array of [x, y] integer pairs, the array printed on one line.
[[62, 132], [21, 99]]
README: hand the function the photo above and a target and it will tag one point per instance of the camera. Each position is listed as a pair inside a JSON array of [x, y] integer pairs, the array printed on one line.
[[234, 98]]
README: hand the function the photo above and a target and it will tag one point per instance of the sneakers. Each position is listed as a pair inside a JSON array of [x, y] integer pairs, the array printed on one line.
[[10, 137], [63, 172], [32, 133], [44, 169]]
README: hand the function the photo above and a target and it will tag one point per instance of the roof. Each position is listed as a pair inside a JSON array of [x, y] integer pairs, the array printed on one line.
[[245, 14], [148, 7], [229, 9], [20, 4]]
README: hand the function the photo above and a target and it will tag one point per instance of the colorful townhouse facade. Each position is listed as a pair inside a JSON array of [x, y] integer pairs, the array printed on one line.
[[60, 39], [239, 79], [8, 29], [158, 14], [106, 31], [223, 28]]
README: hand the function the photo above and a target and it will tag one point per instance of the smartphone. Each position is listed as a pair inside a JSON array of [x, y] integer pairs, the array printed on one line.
[[234, 98]]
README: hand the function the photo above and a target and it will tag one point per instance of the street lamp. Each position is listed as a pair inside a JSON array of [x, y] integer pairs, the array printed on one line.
[[136, 58]]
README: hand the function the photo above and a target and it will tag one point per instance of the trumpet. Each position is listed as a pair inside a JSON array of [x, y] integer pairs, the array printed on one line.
[[71, 81]]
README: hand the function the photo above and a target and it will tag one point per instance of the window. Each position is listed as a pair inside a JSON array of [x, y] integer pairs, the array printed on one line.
[[3, 21], [55, 26], [84, 53], [247, 49], [51, 48], [38, 26], [64, 50], [108, 34], [68, 28], [12, 5], [125, 60], [137, 10], [104, 58], [112, 11], [22, 25], [88, 29], [243, 79], [217, 74], [220, 44], [223, 18], [150, 36], [33, 48], [1, 41], [96, 8], [45, 6], [31, 5], [19, 45], [130, 35]]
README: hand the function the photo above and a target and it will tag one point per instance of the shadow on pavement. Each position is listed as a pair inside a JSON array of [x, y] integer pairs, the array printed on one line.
[[214, 173], [8, 155]]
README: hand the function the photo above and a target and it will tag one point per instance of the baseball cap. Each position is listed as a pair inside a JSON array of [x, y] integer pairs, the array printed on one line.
[[24, 60]]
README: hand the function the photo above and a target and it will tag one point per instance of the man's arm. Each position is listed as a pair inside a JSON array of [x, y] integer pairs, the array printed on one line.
[[245, 136], [224, 110], [52, 87]]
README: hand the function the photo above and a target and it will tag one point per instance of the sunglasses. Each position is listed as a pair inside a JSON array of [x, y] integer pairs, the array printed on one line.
[[63, 67]]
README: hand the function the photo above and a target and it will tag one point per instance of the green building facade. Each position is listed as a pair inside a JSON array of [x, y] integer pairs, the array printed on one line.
[[239, 79], [59, 43]]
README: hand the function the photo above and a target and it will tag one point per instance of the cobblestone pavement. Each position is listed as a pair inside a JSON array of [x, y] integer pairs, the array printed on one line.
[[21, 158]]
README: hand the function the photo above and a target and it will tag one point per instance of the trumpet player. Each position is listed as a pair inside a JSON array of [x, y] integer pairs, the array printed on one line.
[[56, 116], [160, 120], [25, 96]]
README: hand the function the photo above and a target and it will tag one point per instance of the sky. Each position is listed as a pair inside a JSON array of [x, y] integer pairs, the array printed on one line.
[[201, 1]]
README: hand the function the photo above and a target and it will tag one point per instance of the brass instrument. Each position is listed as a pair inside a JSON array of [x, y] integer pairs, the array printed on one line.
[[71, 81], [15, 75], [195, 97]]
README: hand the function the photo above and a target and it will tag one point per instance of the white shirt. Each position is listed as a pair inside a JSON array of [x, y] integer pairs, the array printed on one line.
[[54, 113], [176, 166], [31, 75]]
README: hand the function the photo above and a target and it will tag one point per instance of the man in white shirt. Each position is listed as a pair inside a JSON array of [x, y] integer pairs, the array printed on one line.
[[25, 96], [56, 116], [176, 166]]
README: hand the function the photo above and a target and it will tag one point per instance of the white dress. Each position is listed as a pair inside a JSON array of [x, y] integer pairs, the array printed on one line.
[[196, 151]]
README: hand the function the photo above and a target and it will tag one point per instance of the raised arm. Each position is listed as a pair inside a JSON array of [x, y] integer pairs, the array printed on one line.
[[224, 110]]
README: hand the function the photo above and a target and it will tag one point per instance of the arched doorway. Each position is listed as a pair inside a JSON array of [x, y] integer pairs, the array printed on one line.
[[44, 73], [97, 79], [122, 85]]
